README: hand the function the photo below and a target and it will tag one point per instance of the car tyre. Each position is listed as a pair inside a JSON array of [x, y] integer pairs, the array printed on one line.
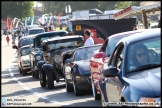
[[20, 70], [23, 71], [77, 91], [94, 91], [57, 78], [33, 74], [43, 81], [37, 74], [50, 81], [69, 87]]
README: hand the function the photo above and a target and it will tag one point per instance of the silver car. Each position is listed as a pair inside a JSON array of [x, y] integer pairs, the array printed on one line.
[[24, 60]]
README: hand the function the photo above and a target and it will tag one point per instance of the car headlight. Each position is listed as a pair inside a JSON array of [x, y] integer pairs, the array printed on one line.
[[38, 57], [58, 59], [150, 101]]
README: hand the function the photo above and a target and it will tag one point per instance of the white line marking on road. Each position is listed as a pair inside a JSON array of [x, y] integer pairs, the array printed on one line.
[[43, 97], [37, 94], [12, 74], [15, 78], [20, 82], [26, 88]]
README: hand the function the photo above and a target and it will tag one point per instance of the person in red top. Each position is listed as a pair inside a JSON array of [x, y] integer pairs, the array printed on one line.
[[7, 39]]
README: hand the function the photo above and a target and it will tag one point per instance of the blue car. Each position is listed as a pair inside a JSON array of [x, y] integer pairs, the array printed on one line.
[[133, 73]]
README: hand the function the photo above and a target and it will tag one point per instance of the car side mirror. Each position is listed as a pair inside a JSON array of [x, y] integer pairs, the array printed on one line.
[[111, 72], [99, 55], [14, 47]]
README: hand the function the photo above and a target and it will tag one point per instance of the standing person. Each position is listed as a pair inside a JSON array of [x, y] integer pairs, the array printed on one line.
[[50, 28], [46, 29], [134, 27], [19, 33], [7, 39], [89, 39], [13, 38], [26, 30], [60, 25]]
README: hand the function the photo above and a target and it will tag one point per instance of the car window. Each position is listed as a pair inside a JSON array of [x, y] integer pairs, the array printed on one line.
[[39, 39], [86, 53], [144, 54], [25, 41], [119, 58], [112, 43], [35, 31], [65, 44], [25, 51]]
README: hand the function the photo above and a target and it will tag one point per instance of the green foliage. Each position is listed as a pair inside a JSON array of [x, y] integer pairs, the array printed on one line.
[[19, 9], [125, 4]]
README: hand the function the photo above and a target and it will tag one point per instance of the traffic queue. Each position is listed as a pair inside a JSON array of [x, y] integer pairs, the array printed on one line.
[[125, 67]]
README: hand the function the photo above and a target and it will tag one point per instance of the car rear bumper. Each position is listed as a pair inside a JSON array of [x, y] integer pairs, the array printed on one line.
[[83, 82]]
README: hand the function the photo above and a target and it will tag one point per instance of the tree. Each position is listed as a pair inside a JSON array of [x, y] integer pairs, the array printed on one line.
[[125, 4], [19, 9]]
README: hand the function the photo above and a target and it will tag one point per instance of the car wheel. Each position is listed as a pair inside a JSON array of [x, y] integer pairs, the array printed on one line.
[[69, 88], [20, 70], [33, 74], [23, 71], [77, 91], [43, 81], [57, 78], [94, 91], [37, 74], [50, 81]]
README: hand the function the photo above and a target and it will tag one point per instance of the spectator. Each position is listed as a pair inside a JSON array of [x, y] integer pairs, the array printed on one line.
[[19, 33], [46, 29], [50, 29], [89, 39], [134, 27], [7, 39], [159, 24], [26, 30], [60, 25]]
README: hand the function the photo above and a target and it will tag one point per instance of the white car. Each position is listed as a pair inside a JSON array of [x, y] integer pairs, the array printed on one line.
[[35, 31], [24, 60]]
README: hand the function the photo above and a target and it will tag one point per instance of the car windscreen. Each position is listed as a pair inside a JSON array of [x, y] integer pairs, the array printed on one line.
[[35, 31], [25, 51], [86, 52], [111, 45], [43, 37], [64, 44], [144, 54], [25, 41]]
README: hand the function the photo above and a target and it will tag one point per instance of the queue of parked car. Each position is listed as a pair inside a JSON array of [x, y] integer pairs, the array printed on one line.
[[125, 68]]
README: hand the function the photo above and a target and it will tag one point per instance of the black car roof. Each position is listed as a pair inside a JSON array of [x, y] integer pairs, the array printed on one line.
[[64, 38], [48, 33], [150, 33]]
